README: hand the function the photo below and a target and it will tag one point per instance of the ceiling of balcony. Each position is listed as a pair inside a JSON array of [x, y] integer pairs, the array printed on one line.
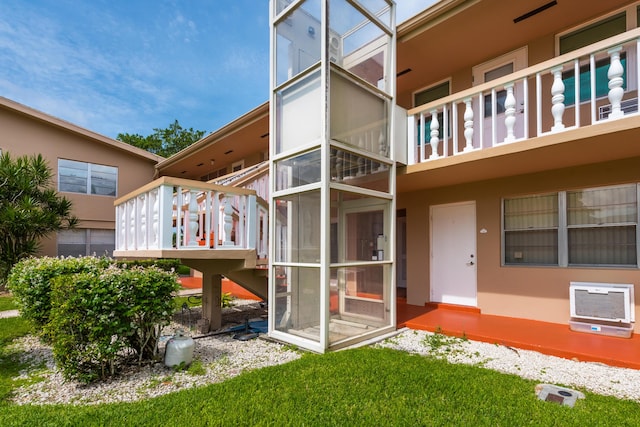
[[246, 136], [454, 35]]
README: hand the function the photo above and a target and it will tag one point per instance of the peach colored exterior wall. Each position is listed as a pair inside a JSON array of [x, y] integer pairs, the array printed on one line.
[[540, 293], [22, 134]]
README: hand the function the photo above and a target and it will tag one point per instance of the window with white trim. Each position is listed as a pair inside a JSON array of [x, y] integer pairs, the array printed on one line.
[[86, 242], [87, 178], [588, 227]]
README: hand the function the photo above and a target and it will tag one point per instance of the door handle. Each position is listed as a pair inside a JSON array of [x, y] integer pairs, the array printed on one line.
[[470, 263]]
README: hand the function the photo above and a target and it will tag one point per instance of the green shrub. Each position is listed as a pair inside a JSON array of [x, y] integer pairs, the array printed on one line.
[[30, 283], [172, 265], [97, 319]]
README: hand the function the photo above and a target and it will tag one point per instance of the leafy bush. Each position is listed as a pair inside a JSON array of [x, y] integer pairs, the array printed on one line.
[[30, 283], [98, 319], [172, 265]]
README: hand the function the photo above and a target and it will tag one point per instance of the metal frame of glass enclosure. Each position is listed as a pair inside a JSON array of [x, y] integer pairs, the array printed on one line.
[[332, 172]]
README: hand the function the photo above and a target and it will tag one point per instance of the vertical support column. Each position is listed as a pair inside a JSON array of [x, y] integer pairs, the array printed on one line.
[[211, 302]]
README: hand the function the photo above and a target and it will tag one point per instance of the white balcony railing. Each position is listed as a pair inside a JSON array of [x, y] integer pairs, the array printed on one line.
[[171, 213], [532, 102]]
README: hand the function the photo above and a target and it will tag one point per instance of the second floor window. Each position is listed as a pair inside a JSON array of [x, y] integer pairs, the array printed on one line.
[[87, 178]]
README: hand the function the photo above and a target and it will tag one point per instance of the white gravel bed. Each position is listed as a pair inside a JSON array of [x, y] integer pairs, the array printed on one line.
[[594, 377], [223, 357]]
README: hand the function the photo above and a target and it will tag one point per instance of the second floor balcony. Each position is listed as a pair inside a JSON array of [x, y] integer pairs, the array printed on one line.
[[559, 113]]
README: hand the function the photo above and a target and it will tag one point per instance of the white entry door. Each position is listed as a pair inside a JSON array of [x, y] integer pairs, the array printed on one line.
[[453, 254]]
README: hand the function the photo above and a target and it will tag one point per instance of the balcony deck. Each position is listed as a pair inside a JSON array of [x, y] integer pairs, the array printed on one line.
[[472, 135]]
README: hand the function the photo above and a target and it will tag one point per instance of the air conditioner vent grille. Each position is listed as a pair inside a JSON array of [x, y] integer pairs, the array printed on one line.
[[602, 306]]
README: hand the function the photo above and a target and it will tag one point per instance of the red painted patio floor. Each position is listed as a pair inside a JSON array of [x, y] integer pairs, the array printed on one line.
[[547, 338]]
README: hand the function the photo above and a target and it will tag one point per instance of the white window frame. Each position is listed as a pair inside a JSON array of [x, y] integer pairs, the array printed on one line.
[[89, 175], [563, 231], [87, 240]]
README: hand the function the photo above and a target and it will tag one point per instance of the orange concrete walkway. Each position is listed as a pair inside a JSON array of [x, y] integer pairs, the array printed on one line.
[[227, 287], [547, 338]]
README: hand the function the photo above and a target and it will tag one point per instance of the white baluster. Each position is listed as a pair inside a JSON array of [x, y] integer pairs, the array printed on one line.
[[557, 99], [468, 125], [131, 242], [155, 219], [123, 226], [616, 92], [509, 113], [228, 222], [435, 130], [193, 218], [143, 222]]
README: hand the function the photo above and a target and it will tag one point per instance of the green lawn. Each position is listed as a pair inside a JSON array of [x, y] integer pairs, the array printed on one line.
[[363, 386], [7, 303]]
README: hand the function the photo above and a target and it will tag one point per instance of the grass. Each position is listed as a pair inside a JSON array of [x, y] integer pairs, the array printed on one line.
[[364, 386], [7, 303]]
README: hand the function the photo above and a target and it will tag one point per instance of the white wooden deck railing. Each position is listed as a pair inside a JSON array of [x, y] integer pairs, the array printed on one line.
[[501, 111], [173, 213]]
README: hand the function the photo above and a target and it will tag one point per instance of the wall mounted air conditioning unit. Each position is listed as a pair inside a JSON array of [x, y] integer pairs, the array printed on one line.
[[606, 308], [627, 106], [602, 301]]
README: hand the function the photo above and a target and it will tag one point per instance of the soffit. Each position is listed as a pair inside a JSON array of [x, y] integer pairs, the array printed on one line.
[[456, 35]]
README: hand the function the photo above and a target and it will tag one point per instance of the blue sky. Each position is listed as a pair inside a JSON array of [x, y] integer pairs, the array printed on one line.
[[129, 66]]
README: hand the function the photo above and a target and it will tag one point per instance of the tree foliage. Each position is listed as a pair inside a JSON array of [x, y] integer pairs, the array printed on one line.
[[164, 142], [30, 209]]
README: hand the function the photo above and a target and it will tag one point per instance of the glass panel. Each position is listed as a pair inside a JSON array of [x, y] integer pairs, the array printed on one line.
[[531, 230], [610, 215], [297, 304], [379, 8], [357, 44], [104, 180], [501, 97], [531, 247], [299, 170], [298, 40], [358, 227], [359, 296], [352, 169], [299, 114], [72, 243], [365, 236], [603, 245], [498, 72], [531, 212], [593, 33], [72, 176], [431, 94], [358, 117], [298, 228], [613, 205], [102, 242]]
